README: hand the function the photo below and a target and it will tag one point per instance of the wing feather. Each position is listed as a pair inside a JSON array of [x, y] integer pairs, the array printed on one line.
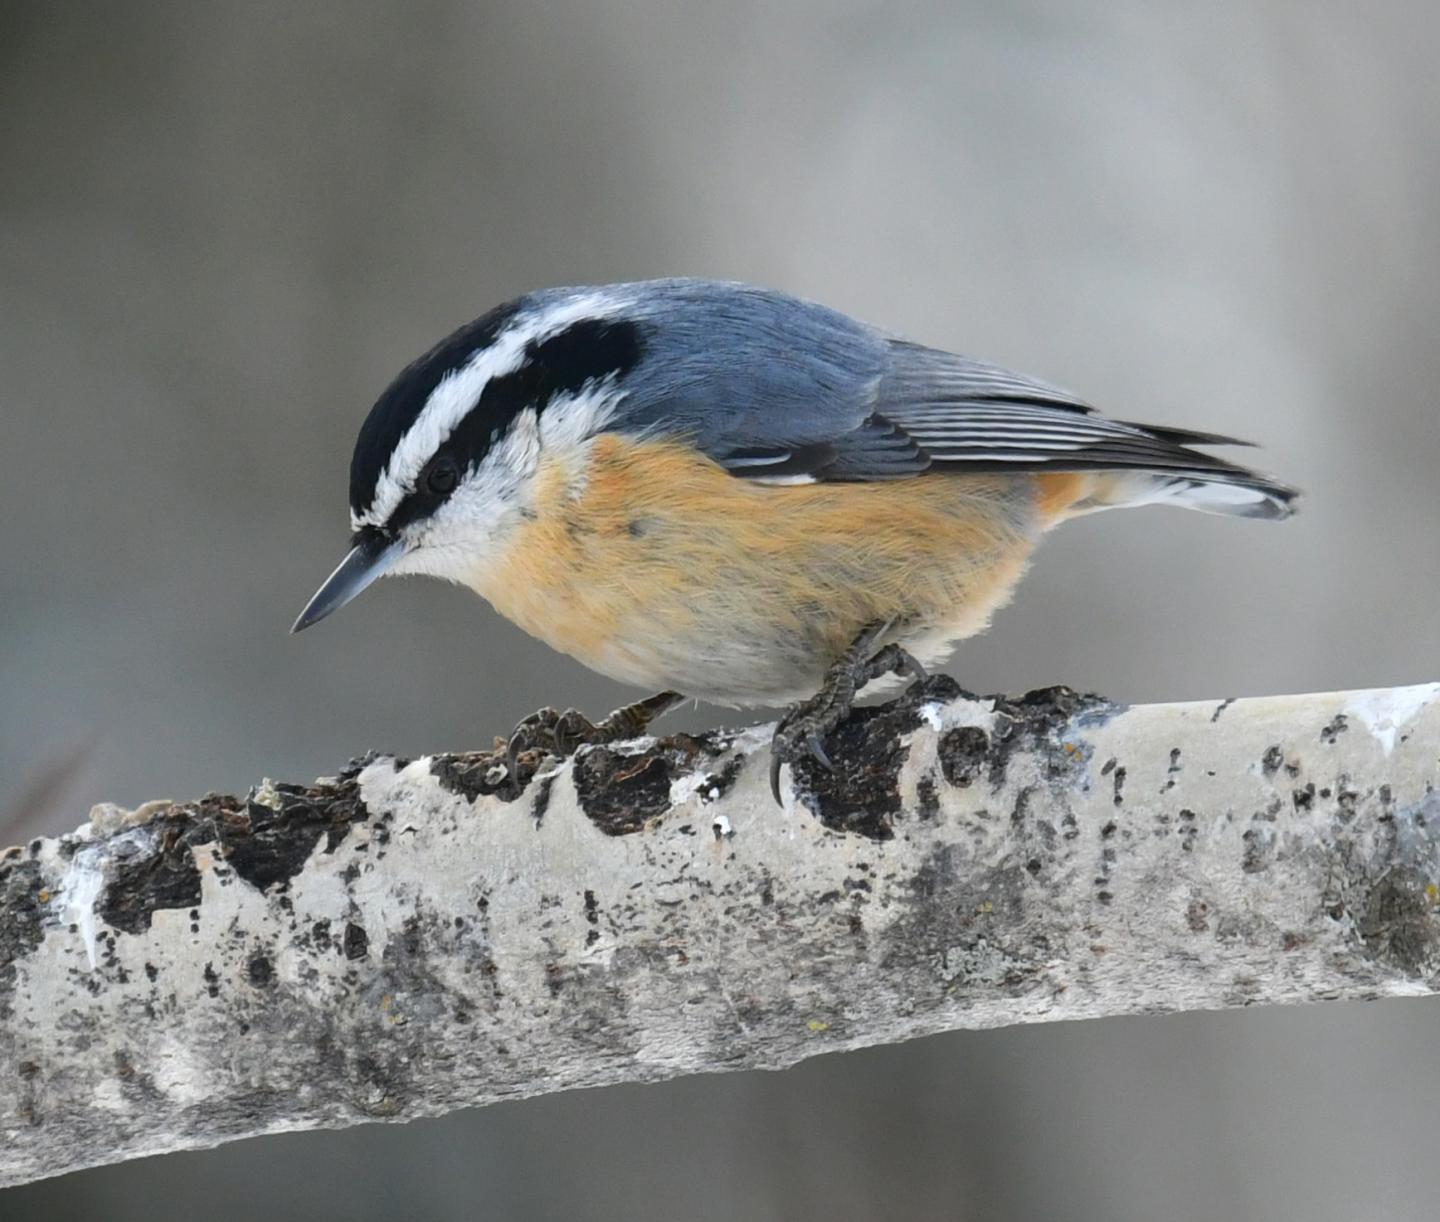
[[934, 410], [774, 388]]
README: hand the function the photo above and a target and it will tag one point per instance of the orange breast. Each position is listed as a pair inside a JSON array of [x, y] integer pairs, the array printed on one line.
[[645, 557]]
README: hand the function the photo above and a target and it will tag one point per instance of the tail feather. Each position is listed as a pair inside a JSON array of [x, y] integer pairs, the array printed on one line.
[[1235, 493], [1181, 476], [1189, 437], [1250, 496]]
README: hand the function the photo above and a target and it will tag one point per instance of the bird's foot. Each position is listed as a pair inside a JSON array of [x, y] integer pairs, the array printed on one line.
[[551, 733], [801, 732]]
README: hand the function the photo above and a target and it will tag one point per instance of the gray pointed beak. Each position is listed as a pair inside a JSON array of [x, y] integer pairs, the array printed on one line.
[[368, 559]]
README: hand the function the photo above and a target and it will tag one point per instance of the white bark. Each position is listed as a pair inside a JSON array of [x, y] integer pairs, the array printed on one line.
[[383, 947]]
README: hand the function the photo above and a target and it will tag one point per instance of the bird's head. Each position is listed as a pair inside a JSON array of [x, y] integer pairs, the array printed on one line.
[[444, 466]]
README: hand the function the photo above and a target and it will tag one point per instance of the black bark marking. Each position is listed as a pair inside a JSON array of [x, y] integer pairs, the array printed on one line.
[[355, 942], [622, 794], [266, 846], [260, 970], [965, 754], [862, 794], [926, 797], [474, 776], [142, 885], [541, 802], [717, 784], [23, 901]]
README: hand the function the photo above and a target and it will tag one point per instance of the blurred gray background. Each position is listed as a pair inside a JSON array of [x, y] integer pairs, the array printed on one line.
[[224, 227]]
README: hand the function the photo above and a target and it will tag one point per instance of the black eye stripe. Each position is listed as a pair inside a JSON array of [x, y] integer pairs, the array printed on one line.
[[441, 476], [564, 363]]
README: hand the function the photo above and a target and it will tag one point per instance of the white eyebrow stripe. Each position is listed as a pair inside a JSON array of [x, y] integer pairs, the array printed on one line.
[[460, 390]]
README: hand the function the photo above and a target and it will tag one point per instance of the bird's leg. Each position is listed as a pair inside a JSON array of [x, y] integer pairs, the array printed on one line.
[[551, 732], [802, 730]]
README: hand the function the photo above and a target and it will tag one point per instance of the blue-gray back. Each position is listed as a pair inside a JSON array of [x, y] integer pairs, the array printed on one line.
[[771, 386]]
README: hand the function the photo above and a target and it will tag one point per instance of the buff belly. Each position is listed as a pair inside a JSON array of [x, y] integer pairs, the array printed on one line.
[[654, 566]]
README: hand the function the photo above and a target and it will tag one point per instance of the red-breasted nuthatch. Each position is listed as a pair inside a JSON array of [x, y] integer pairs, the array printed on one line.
[[740, 495]]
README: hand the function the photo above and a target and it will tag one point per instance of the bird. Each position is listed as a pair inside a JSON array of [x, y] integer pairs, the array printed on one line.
[[729, 492]]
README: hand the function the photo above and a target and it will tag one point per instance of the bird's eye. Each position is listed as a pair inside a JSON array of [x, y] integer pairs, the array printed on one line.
[[442, 477]]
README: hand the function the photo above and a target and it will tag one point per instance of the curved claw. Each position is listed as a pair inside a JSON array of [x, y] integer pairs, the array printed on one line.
[[775, 762], [802, 730], [571, 729], [785, 748], [910, 665], [531, 733], [512, 759]]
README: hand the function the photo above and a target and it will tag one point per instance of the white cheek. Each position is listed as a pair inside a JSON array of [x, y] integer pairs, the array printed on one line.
[[467, 535], [472, 529]]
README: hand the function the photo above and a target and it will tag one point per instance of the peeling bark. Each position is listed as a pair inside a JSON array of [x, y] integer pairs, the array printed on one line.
[[413, 937]]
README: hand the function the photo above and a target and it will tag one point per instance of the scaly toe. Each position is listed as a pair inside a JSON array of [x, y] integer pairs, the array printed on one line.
[[802, 730], [548, 732], [801, 733], [572, 730], [534, 733]]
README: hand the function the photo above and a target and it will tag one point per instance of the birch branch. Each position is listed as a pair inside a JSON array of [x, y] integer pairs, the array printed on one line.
[[412, 937]]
